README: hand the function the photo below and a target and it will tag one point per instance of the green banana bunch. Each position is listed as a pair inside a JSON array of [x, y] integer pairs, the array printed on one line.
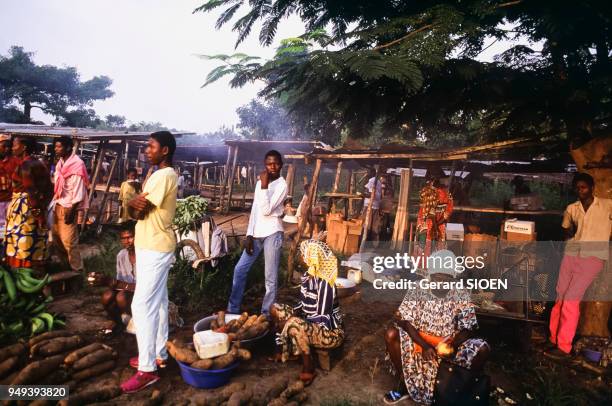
[[28, 284], [9, 284]]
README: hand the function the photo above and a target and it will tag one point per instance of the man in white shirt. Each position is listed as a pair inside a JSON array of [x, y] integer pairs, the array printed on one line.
[[265, 233], [590, 221]]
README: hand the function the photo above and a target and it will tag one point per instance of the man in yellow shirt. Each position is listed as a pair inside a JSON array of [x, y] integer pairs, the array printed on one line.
[[155, 243]]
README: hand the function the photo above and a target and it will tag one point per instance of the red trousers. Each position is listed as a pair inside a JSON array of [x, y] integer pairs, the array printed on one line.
[[575, 276]]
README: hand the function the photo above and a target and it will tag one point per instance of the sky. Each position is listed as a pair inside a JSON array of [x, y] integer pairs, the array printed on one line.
[[148, 48]]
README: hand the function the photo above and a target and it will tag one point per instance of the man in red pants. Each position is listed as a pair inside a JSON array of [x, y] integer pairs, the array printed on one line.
[[587, 224]]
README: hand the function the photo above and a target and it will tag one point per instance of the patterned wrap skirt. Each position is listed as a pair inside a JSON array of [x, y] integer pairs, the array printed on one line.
[[298, 335]]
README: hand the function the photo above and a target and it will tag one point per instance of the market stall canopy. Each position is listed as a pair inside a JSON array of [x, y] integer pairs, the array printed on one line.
[[254, 150], [84, 135], [518, 155]]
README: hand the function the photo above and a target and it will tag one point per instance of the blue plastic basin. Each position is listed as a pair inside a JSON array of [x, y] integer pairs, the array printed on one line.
[[206, 379]]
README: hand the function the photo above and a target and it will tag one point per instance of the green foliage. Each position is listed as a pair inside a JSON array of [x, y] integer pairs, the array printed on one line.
[[189, 213], [105, 261], [56, 91], [415, 68], [549, 388], [209, 289], [488, 193]]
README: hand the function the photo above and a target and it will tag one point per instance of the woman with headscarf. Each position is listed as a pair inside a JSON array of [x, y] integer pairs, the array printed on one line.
[[430, 324], [26, 223], [316, 320]]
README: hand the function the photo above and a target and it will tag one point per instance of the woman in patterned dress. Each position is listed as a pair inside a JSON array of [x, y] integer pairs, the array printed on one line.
[[435, 209], [26, 223], [316, 321], [426, 324]]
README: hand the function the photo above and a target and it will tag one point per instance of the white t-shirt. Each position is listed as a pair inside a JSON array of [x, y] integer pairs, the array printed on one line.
[[125, 271], [267, 209], [377, 196], [593, 228]]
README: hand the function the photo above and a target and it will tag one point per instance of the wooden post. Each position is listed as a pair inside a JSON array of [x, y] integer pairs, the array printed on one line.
[[368, 218], [230, 179], [301, 223], [290, 178], [452, 175], [94, 180], [336, 184], [351, 190], [98, 221], [245, 184], [226, 169], [215, 183], [401, 218]]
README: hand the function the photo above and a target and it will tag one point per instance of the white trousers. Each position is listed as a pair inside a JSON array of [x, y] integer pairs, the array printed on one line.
[[150, 306]]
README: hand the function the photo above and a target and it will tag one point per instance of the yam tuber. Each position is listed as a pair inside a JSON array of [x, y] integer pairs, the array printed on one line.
[[181, 354], [214, 325], [217, 398], [11, 351], [47, 336], [293, 389], [94, 358], [243, 354], [225, 360], [59, 345], [239, 322], [254, 331], [92, 395], [203, 364], [37, 370], [221, 319], [231, 325], [250, 321], [8, 365], [81, 352], [95, 370], [240, 398]]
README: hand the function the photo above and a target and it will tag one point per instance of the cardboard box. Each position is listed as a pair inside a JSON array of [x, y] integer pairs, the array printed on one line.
[[454, 232]]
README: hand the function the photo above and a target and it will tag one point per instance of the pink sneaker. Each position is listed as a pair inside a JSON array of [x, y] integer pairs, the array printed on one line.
[[139, 381], [161, 363]]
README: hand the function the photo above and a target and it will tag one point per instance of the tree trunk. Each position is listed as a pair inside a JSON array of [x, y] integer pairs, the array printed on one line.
[[27, 111], [591, 158]]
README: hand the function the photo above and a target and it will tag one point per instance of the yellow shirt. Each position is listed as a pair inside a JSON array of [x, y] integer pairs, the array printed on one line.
[[593, 228], [155, 232]]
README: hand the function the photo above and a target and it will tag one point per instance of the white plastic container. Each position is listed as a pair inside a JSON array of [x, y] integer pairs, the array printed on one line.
[[209, 344]]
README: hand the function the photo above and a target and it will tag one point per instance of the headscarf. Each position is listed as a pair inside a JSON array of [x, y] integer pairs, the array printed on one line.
[[321, 261]]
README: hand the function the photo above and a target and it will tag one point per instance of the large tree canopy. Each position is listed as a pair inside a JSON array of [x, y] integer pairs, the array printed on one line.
[[58, 92], [415, 68]]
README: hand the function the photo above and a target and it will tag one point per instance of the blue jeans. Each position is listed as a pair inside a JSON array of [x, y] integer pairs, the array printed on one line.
[[272, 246]]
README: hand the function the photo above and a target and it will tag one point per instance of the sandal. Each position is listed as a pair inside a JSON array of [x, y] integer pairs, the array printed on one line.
[[392, 397], [307, 377]]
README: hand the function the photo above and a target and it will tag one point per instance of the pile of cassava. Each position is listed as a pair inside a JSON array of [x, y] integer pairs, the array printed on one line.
[[243, 328], [181, 352], [278, 393], [56, 357]]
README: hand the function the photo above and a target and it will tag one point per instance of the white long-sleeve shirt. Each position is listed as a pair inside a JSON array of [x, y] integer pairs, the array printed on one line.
[[267, 209]]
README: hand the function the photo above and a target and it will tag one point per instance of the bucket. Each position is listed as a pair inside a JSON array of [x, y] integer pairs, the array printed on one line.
[[206, 379]]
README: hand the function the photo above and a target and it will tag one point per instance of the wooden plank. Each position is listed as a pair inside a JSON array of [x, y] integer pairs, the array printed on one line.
[[98, 221], [502, 211], [94, 180], [302, 223]]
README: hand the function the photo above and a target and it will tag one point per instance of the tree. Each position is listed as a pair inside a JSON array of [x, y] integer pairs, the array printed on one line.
[[56, 91], [414, 67]]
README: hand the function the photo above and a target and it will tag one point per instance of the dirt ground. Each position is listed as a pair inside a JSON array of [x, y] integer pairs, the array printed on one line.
[[359, 374]]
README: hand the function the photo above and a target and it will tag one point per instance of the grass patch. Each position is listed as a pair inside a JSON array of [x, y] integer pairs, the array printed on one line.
[[105, 262]]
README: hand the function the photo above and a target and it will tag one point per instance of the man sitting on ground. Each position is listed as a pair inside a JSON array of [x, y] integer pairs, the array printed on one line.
[[118, 299]]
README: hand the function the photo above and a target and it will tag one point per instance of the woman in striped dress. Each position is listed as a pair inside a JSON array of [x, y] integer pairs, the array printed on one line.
[[316, 320]]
